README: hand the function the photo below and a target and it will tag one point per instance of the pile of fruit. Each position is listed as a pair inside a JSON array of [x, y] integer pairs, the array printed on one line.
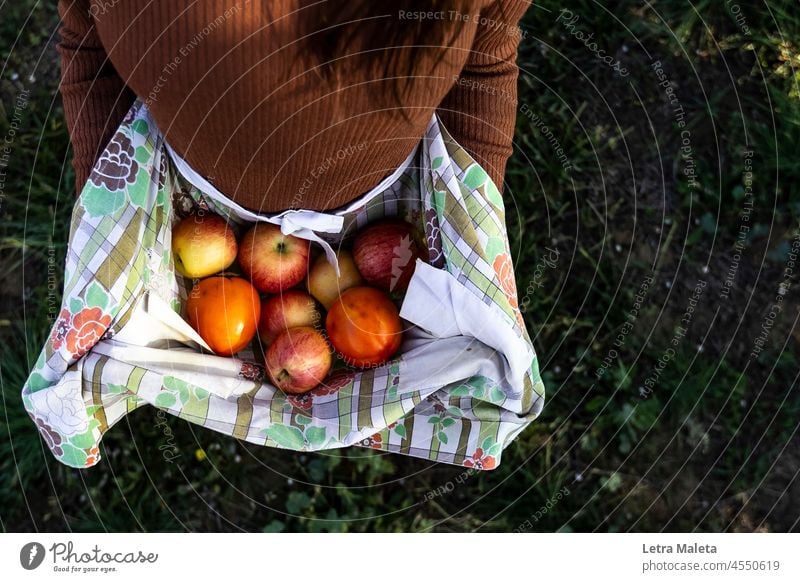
[[268, 286]]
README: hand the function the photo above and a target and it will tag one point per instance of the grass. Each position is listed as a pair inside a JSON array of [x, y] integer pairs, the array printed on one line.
[[710, 444]]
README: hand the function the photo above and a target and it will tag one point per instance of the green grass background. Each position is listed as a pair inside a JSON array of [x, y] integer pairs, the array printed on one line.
[[712, 447]]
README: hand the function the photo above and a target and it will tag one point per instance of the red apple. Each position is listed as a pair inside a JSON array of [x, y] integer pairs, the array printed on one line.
[[203, 244], [298, 360], [385, 253], [272, 260], [292, 308]]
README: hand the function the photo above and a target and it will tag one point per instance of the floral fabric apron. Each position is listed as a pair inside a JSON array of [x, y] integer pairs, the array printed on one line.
[[465, 383]]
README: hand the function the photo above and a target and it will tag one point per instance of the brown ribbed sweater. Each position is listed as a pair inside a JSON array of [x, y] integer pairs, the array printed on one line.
[[214, 75]]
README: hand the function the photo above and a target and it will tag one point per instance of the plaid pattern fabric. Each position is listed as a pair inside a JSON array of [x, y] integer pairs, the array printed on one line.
[[86, 379]]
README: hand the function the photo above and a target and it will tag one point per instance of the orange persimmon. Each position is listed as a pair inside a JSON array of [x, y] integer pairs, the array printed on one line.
[[225, 312], [364, 326]]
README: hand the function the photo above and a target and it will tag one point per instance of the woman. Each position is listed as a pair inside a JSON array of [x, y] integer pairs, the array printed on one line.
[[309, 108], [293, 103]]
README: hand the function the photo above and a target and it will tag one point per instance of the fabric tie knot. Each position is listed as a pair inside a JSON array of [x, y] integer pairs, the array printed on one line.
[[306, 223]]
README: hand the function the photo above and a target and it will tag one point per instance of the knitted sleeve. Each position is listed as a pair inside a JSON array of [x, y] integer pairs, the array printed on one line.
[[95, 97], [480, 110]]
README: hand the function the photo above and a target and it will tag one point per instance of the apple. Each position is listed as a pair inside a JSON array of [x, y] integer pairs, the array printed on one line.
[[272, 260], [298, 360], [385, 253], [323, 282], [203, 244], [292, 308]]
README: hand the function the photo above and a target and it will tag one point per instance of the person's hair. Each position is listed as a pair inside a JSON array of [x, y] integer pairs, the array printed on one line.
[[390, 39]]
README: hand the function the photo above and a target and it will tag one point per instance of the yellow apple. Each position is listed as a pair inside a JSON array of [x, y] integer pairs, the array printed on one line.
[[203, 244], [323, 282]]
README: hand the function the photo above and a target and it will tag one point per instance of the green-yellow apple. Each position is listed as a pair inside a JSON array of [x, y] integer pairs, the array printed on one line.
[[273, 261], [298, 360], [292, 308], [203, 244], [323, 282]]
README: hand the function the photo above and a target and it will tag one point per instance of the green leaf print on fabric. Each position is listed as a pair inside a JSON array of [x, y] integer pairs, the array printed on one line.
[[72, 455], [100, 202], [475, 177], [96, 296], [315, 435], [143, 155], [75, 305], [91, 410], [288, 437], [494, 196], [161, 197], [84, 440], [439, 198], [494, 246], [462, 390], [185, 391], [117, 388], [37, 382], [140, 126], [468, 388], [490, 446], [137, 192], [165, 400], [496, 395]]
